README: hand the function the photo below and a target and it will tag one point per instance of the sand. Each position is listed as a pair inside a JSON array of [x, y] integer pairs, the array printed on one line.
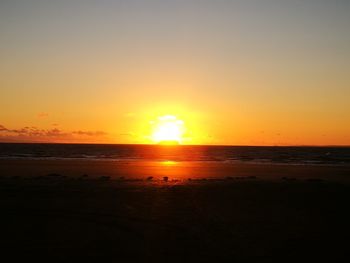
[[225, 213], [174, 170]]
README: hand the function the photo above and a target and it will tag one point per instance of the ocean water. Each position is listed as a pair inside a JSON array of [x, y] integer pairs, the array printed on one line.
[[287, 155]]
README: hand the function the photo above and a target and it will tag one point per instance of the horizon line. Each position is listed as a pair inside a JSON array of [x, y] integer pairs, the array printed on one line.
[[177, 145]]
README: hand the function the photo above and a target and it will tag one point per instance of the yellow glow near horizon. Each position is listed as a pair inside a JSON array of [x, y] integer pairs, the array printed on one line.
[[167, 129]]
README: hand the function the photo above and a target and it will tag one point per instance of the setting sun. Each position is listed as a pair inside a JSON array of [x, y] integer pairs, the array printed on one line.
[[167, 129]]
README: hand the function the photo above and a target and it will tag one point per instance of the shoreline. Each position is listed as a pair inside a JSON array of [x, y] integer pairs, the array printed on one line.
[[128, 160], [174, 170]]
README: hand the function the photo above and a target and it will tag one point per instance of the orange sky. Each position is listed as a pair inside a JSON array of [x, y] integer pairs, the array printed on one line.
[[240, 72]]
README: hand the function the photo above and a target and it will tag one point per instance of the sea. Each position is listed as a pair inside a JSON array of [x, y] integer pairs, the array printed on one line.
[[178, 153]]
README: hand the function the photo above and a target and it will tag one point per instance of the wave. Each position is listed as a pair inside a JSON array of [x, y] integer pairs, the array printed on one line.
[[248, 154]]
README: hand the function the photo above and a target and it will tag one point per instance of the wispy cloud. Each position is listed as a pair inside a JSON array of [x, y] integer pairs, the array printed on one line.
[[43, 115], [90, 133], [2, 128]]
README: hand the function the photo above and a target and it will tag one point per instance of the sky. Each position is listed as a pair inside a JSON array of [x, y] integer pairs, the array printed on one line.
[[245, 72]]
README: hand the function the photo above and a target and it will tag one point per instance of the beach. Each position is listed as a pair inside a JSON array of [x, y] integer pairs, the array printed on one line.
[[182, 171], [126, 211]]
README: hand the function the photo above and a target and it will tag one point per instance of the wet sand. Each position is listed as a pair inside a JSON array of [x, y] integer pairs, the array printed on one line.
[[174, 170], [225, 213]]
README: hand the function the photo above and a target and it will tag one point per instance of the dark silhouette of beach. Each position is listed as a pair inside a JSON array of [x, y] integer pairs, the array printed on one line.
[[64, 210]]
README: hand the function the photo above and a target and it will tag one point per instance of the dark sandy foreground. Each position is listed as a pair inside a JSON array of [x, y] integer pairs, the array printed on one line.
[[245, 213]]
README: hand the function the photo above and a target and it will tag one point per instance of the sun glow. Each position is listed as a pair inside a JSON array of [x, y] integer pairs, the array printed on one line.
[[167, 130]]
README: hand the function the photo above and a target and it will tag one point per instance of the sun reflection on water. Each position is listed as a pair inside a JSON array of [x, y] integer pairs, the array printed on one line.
[[168, 163]]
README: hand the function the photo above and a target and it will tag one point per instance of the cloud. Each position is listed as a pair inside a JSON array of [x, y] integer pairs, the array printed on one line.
[[2, 128], [55, 133], [127, 134], [43, 115], [33, 133], [90, 133]]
